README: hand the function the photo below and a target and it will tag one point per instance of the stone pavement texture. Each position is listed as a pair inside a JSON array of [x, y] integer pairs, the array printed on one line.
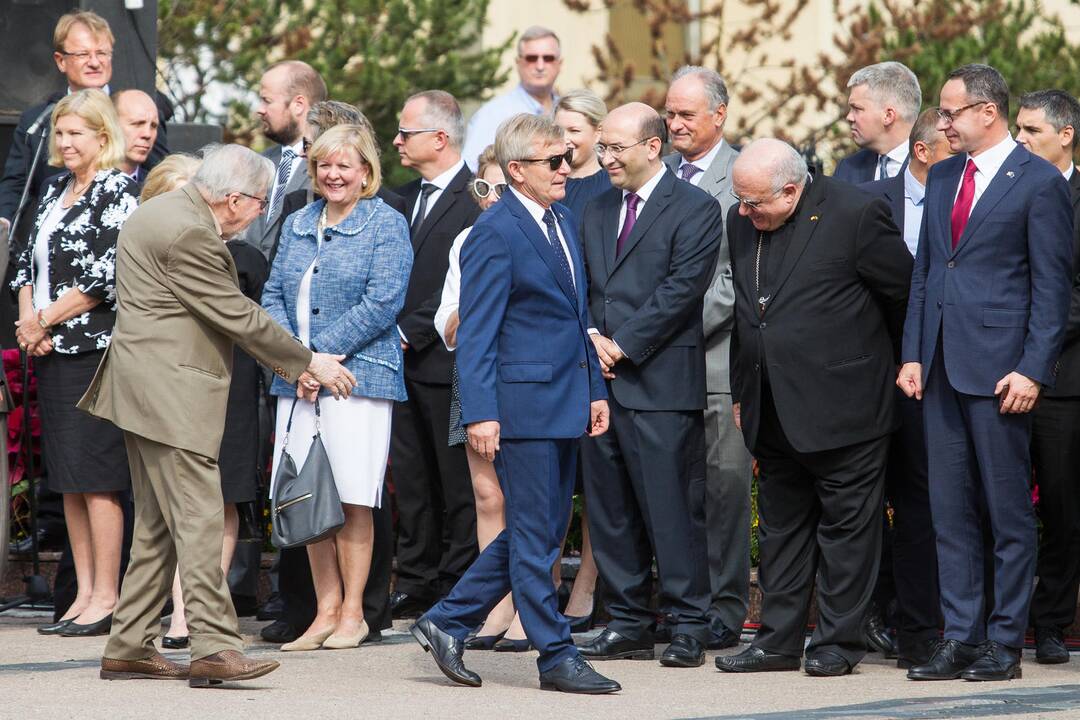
[[51, 677]]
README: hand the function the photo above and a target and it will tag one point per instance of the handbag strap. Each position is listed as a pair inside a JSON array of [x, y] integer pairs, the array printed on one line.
[[288, 425]]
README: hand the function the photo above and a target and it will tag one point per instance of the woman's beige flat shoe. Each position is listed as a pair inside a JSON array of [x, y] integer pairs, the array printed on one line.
[[344, 642], [308, 642]]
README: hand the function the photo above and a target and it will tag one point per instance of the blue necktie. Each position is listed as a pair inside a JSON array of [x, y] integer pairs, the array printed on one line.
[[556, 246], [883, 167], [284, 172]]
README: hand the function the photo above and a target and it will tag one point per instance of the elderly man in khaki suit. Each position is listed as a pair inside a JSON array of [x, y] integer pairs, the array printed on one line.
[[165, 381]]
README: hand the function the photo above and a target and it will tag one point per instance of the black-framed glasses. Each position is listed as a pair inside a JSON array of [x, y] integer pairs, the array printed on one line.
[[406, 133], [555, 161], [616, 150], [754, 204], [482, 187], [263, 202], [532, 59], [949, 116], [83, 56]]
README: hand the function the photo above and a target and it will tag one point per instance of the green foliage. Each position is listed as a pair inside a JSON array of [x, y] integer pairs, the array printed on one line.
[[371, 53]]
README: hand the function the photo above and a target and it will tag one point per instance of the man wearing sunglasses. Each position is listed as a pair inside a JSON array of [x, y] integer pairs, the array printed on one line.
[[539, 59], [651, 244]]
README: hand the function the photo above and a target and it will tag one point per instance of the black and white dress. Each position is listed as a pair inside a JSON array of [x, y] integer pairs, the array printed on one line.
[[75, 248]]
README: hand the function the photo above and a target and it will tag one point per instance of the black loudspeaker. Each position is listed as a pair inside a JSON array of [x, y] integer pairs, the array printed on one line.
[[135, 52], [26, 29]]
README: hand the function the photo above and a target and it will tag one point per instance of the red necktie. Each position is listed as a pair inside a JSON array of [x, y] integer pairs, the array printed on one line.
[[961, 209]]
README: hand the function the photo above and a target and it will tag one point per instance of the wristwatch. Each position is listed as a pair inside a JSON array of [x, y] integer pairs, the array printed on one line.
[[41, 320]]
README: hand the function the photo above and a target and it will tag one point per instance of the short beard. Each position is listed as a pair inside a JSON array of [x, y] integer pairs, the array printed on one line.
[[286, 135]]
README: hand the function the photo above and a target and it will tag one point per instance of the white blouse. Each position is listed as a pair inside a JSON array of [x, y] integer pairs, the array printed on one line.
[[451, 289]]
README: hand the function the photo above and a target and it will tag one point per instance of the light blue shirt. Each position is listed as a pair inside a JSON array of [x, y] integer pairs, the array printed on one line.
[[914, 193], [492, 114]]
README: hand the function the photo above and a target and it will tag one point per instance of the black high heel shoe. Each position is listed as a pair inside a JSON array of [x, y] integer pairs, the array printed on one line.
[[175, 643], [483, 642], [506, 645], [101, 627], [54, 628]]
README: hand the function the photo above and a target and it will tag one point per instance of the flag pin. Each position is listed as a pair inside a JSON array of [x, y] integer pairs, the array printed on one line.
[[1010, 173]]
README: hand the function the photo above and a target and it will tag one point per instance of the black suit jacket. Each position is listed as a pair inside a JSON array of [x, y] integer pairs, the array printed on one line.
[[1068, 371], [891, 190], [427, 359], [834, 318], [649, 298]]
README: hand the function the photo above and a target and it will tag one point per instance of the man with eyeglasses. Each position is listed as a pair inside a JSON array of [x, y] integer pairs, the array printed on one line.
[[539, 60], [821, 284], [651, 244], [433, 488], [83, 44], [989, 305]]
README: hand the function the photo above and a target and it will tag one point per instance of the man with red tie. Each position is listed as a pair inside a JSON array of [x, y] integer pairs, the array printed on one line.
[[986, 319]]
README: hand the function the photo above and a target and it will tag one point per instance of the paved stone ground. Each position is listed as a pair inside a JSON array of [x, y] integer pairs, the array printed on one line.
[[50, 677]]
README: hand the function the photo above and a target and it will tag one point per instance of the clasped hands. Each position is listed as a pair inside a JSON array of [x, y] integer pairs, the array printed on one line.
[[1017, 393], [325, 370], [608, 353], [33, 339]]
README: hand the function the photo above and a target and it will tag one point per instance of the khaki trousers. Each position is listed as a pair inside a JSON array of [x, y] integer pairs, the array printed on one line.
[[179, 519]]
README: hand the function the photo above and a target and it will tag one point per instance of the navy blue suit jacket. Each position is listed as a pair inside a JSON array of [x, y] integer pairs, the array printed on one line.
[[1000, 300], [857, 168], [524, 354]]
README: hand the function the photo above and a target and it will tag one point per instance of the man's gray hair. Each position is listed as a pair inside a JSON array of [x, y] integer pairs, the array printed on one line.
[[891, 83], [536, 32], [227, 169], [715, 89], [515, 138], [441, 110], [778, 159]]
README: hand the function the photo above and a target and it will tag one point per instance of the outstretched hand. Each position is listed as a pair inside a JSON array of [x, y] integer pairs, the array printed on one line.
[[328, 371]]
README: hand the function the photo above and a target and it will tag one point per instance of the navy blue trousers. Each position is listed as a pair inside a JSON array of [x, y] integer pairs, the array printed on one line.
[[537, 480], [974, 451]]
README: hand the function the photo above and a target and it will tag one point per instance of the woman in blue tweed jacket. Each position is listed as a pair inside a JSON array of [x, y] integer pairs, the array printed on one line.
[[337, 283]]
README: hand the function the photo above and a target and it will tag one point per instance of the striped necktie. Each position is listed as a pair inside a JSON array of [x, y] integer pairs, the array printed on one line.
[[284, 172]]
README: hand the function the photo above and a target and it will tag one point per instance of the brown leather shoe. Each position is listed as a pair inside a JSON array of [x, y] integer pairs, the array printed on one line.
[[155, 667], [226, 666]]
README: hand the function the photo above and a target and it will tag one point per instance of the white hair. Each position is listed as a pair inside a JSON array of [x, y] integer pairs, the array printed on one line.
[[780, 160], [891, 83], [227, 169]]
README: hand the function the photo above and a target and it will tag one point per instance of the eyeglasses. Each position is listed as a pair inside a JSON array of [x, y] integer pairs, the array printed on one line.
[[555, 161], [532, 59], [616, 151], [754, 204], [263, 202], [949, 116], [82, 56], [481, 188], [406, 133], [305, 145]]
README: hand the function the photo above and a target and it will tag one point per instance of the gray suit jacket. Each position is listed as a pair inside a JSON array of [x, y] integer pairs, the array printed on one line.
[[719, 310], [263, 232]]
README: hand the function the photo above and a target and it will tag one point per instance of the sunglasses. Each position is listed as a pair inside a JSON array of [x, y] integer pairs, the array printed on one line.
[[481, 188], [532, 59], [405, 133], [555, 161]]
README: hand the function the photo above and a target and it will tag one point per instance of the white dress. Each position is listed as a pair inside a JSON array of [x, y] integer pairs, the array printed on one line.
[[355, 431]]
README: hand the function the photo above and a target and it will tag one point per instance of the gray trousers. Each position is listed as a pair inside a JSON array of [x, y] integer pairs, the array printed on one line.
[[727, 513]]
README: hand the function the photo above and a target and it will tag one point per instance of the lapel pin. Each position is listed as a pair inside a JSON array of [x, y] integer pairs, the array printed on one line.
[[813, 218], [1010, 173]]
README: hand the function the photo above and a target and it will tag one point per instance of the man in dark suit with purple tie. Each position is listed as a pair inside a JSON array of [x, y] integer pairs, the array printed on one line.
[[986, 319]]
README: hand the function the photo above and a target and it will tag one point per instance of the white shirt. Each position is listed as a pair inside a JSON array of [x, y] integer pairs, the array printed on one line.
[[451, 289], [896, 159], [42, 297], [702, 163], [537, 213], [486, 120], [440, 182], [298, 159], [644, 192], [987, 164], [1067, 172]]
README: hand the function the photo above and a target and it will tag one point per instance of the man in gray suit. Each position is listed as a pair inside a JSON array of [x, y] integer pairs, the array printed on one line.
[[696, 108], [287, 91]]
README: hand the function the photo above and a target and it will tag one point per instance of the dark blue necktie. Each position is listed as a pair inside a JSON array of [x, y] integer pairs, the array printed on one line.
[[556, 246]]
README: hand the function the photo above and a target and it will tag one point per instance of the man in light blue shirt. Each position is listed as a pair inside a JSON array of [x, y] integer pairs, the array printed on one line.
[[539, 61]]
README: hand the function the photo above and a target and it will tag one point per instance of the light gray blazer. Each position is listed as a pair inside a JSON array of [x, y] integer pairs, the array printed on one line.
[[263, 232], [719, 312]]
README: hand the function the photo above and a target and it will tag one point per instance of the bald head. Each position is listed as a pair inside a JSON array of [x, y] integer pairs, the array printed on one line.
[[768, 177], [138, 116], [633, 135]]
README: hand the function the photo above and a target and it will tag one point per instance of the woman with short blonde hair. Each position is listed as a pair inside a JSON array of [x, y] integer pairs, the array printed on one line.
[[67, 308], [343, 137]]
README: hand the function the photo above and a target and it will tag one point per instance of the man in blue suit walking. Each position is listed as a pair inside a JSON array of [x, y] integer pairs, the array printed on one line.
[[986, 319], [531, 386]]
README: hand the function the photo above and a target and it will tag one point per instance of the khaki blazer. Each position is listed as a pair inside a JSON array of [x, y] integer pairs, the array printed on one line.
[[166, 373]]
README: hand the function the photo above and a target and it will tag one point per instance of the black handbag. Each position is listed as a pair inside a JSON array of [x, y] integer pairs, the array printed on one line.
[[305, 506]]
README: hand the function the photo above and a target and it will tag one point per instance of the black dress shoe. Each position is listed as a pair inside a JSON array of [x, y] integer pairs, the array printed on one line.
[[406, 605], [53, 628], [175, 643], [1049, 646], [373, 636], [915, 652], [101, 627], [950, 658], [576, 675], [279, 632], [998, 662], [754, 659], [824, 663], [507, 645], [684, 651], [610, 645], [447, 651], [271, 609], [876, 633], [720, 635], [483, 642]]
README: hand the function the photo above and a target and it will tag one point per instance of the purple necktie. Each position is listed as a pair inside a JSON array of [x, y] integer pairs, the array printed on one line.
[[628, 224], [688, 171]]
